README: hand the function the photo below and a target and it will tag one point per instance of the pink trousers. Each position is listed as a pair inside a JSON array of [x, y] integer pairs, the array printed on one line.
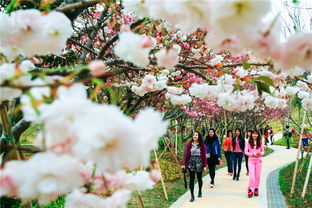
[[255, 167]]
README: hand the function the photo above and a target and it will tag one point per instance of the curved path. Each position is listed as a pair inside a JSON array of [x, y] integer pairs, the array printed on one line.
[[229, 193]]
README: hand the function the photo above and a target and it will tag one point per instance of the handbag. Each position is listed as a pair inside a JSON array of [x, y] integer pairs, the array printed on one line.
[[208, 155], [220, 163]]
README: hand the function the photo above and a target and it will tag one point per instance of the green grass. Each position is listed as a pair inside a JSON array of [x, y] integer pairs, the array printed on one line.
[[267, 151], [6, 202], [276, 126], [285, 180], [292, 142]]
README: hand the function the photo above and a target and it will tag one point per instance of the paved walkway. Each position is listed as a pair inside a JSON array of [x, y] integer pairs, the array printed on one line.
[[229, 193], [274, 194]]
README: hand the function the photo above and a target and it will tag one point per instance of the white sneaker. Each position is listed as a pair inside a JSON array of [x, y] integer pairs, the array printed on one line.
[[211, 185]]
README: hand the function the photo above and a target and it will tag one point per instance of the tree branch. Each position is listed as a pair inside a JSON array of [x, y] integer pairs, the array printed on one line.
[[92, 36], [19, 128], [83, 3], [24, 149], [83, 46]]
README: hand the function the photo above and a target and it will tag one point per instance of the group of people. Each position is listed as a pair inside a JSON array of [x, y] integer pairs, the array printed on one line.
[[201, 153]]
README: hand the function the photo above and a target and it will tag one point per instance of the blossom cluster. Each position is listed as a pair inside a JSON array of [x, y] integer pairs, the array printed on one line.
[[234, 25], [73, 136], [28, 32], [76, 131]]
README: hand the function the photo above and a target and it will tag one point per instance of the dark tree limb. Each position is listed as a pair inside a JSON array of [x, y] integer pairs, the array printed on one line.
[[82, 46], [92, 36], [20, 148], [20, 127]]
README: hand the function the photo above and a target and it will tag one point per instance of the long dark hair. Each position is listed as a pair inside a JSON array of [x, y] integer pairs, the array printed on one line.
[[211, 139], [259, 139], [240, 133], [250, 133], [200, 138], [229, 131]]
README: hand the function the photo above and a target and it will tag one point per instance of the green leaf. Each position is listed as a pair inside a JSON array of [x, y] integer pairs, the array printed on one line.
[[236, 87], [10, 6], [262, 87], [97, 81], [295, 1], [246, 65], [266, 80]]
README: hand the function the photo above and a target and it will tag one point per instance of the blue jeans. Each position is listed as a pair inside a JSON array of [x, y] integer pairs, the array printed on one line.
[[237, 158]]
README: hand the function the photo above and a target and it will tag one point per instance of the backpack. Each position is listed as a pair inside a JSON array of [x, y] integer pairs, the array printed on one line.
[[289, 134]]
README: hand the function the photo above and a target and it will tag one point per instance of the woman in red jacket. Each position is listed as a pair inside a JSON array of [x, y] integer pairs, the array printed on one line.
[[195, 161], [228, 150]]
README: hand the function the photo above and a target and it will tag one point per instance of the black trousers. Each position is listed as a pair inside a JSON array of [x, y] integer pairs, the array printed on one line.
[[237, 163], [288, 146], [192, 181], [212, 171], [246, 160], [271, 137], [228, 157]]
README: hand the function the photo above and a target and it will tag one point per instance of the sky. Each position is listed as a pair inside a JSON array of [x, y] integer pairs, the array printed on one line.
[[303, 12]]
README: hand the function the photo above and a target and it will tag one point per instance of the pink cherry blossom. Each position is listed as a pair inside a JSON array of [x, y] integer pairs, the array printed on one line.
[[97, 68]]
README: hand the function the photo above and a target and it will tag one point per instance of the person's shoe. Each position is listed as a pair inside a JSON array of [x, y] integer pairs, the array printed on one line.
[[250, 193], [211, 185], [247, 173], [256, 192], [200, 194], [234, 177], [192, 199], [237, 178]]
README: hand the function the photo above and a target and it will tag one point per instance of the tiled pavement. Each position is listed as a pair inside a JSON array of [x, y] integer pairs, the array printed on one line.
[[274, 194]]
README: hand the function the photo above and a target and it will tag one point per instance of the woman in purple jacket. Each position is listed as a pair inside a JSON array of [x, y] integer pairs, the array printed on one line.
[[195, 161]]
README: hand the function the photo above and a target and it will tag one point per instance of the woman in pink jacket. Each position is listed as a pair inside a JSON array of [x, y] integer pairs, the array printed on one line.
[[254, 149]]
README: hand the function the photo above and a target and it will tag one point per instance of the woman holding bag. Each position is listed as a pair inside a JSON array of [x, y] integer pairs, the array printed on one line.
[[213, 154], [195, 161]]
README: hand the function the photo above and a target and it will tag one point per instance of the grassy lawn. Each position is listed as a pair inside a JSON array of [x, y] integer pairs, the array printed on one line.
[[276, 126], [293, 143], [285, 180]]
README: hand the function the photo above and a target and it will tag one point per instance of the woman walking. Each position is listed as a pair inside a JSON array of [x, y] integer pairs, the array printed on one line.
[[255, 150], [249, 132], [266, 135], [238, 148], [195, 161], [228, 149], [213, 154]]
